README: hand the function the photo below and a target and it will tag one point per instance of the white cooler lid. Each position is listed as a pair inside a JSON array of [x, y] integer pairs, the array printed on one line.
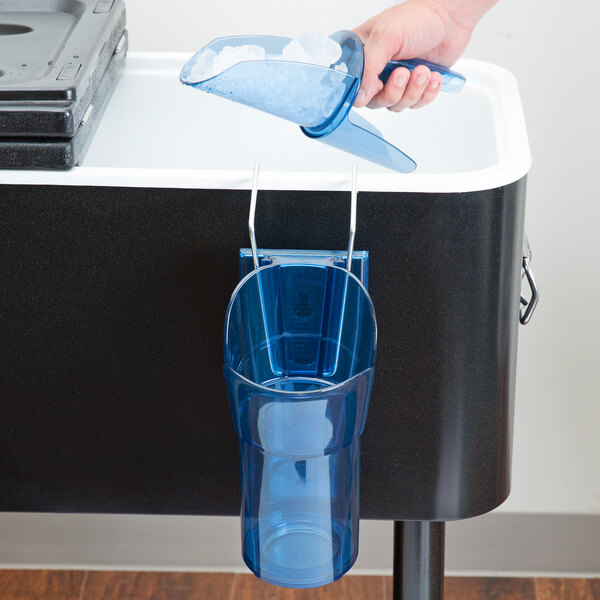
[[157, 132]]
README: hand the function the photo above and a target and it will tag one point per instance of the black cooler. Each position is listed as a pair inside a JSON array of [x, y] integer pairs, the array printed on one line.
[[116, 276]]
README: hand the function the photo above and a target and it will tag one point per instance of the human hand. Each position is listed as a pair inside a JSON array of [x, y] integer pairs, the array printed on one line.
[[434, 30]]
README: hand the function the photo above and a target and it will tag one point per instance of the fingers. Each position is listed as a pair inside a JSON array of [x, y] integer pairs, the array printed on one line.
[[408, 90], [376, 57], [394, 89], [430, 92]]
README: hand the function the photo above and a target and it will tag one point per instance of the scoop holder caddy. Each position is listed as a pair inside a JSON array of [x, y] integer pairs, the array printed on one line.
[[300, 337]]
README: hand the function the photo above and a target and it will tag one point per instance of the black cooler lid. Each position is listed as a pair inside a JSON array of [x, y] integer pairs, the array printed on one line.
[[53, 54]]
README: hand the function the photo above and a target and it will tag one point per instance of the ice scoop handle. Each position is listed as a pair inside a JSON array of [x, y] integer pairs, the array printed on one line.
[[451, 80]]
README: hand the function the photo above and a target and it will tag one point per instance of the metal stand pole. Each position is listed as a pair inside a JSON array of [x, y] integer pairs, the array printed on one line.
[[418, 560]]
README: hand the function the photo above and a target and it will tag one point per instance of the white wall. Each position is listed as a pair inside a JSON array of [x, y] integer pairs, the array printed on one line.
[[507, 544], [552, 48], [188, 25]]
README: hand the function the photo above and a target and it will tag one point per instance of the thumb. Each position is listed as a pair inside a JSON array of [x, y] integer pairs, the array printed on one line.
[[377, 55]]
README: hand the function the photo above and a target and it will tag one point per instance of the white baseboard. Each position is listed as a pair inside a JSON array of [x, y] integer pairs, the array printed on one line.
[[493, 544]]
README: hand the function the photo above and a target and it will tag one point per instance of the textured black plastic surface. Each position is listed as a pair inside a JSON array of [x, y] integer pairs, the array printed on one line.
[[113, 301], [51, 62], [64, 153]]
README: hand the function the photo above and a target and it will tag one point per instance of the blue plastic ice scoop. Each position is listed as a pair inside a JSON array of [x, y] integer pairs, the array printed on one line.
[[318, 98]]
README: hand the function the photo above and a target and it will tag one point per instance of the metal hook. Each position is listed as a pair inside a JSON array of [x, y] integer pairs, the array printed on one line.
[[353, 201], [251, 216], [253, 197]]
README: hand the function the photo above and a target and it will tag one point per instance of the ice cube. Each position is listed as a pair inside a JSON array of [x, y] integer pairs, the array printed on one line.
[[202, 65], [308, 48], [231, 55], [313, 48], [305, 95], [209, 63], [294, 52], [321, 49]]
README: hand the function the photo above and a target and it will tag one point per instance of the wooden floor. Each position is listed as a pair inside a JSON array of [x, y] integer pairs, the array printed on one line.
[[124, 585]]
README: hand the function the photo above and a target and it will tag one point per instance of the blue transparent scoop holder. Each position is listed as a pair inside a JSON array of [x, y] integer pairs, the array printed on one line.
[[300, 340]]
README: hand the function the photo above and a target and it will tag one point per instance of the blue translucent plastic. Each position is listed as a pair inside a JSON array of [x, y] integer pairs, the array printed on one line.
[[451, 80], [303, 93], [299, 357], [317, 98], [367, 142]]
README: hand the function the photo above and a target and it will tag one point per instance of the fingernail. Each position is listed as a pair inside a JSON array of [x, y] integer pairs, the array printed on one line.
[[401, 81], [433, 84], [360, 97], [421, 79]]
